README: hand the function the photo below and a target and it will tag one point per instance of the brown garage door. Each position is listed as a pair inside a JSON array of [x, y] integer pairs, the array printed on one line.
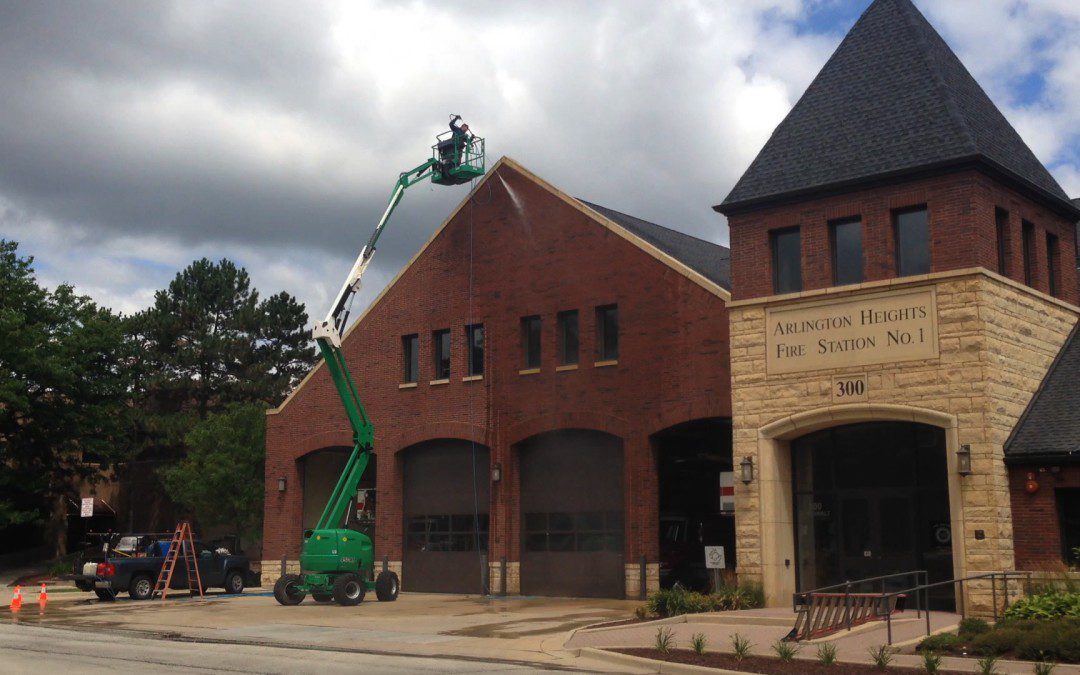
[[572, 515], [446, 522]]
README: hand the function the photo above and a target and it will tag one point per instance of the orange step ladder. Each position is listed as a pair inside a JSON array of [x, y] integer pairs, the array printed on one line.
[[182, 546]]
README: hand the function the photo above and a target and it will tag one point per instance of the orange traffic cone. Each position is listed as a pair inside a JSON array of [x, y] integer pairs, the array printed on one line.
[[16, 600], [43, 597]]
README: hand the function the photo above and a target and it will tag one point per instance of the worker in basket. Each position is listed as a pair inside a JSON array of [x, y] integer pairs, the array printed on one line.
[[452, 149]]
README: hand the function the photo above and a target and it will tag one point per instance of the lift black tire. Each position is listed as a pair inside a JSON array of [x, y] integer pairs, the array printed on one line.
[[349, 590], [234, 583], [387, 586], [285, 591], [105, 594], [141, 588], [322, 597]]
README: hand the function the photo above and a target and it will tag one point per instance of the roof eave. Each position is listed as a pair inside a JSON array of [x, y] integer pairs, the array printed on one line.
[[1044, 458]]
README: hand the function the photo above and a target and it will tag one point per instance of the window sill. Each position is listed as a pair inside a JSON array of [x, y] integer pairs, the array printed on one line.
[[529, 371], [472, 378], [436, 382], [604, 364], [407, 385], [561, 369]]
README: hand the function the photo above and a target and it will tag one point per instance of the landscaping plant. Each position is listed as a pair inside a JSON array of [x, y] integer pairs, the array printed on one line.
[[677, 600], [970, 628], [741, 645], [931, 662], [785, 650], [698, 642], [826, 654], [1043, 668], [665, 640], [1047, 605], [882, 656], [940, 642], [987, 665]]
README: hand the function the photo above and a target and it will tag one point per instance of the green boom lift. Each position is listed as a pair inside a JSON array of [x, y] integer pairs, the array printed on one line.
[[338, 563]]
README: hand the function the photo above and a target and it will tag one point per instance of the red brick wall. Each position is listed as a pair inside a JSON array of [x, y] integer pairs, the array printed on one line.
[[1036, 528], [673, 361], [962, 233]]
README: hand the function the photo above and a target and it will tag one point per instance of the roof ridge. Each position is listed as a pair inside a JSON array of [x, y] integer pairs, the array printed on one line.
[[649, 222]]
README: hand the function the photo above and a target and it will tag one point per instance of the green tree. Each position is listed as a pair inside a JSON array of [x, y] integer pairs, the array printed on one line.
[[65, 369], [221, 479]]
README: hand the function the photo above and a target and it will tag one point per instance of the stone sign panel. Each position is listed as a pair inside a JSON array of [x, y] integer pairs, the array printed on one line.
[[853, 331]]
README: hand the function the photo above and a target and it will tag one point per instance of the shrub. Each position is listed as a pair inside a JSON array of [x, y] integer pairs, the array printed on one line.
[[882, 656], [741, 646], [698, 642], [931, 662], [785, 650], [641, 612], [1051, 640], [987, 665], [1047, 605], [970, 628], [675, 601], [941, 642], [826, 654], [997, 641], [1043, 668], [665, 640]]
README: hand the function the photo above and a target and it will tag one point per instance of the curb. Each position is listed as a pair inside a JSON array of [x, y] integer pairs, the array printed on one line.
[[663, 667]]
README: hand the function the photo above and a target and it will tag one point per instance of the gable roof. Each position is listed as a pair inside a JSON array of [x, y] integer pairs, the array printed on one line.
[[892, 99], [712, 261], [1050, 427]]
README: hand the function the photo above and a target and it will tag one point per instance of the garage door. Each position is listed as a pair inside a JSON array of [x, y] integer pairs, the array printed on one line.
[[446, 516], [572, 515]]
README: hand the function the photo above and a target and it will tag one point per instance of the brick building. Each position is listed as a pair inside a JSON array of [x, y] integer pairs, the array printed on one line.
[[898, 392]]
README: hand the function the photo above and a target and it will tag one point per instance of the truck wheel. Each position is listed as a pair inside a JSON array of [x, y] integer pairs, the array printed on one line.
[[387, 586], [141, 588], [287, 591], [322, 597], [349, 590], [105, 594], [234, 583]]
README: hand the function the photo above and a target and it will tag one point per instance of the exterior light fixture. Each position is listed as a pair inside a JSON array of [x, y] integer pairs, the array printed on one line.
[[281, 484], [747, 467], [963, 460], [496, 473]]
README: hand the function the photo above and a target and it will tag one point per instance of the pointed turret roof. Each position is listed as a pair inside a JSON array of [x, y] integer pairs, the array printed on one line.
[[892, 100]]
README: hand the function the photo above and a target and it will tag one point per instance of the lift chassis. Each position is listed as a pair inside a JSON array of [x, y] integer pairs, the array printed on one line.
[[338, 563]]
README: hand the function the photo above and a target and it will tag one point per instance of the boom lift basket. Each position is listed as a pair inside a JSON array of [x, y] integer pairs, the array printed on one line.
[[457, 160]]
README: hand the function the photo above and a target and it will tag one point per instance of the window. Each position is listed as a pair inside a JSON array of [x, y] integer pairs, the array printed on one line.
[[530, 342], [1068, 502], [450, 532], [607, 333], [847, 251], [1001, 217], [1053, 262], [474, 341], [568, 337], [583, 531], [410, 358], [912, 231], [1029, 252], [440, 341], [786, 258]]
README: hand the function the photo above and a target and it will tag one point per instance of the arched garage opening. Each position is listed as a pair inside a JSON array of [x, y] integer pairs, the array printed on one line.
[[321, 470], [446, 502], [572, 514]]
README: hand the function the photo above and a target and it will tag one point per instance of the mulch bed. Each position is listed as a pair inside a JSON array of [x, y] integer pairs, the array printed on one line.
[[764, 664]]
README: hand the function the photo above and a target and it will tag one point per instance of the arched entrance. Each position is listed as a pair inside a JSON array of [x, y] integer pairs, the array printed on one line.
[[446, 505], [871, 499], [572, 514]]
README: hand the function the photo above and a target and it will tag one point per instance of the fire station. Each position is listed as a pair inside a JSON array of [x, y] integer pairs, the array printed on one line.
[[879, 376]]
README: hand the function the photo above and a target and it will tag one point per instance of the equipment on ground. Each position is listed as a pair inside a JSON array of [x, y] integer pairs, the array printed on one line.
[[337, 563]]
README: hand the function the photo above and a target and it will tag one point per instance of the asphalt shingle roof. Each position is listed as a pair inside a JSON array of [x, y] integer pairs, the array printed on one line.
[[1050, 427], [712, 261], [893, 98]]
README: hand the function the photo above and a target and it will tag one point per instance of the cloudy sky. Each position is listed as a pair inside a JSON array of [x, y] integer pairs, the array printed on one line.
[[138, 136]]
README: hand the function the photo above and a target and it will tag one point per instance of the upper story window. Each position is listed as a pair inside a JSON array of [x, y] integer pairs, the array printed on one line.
[[847, 251], [474, 345], [440, 343], [410, 358], [607, 333], [786, 259], [1001, 220], [530, 342], [1053, 262], [568, 337], [912, 232], [1029, 252]]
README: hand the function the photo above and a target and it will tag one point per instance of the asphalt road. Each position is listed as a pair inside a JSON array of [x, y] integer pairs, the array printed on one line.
[[32, 649]]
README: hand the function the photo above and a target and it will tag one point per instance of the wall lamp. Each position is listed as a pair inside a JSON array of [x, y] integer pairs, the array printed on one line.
[[747, 468], [281, 484], [496, 473], [963, 460]]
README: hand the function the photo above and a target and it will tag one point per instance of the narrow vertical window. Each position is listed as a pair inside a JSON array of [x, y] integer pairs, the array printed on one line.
[[912, 233], [474, 341], [1053, 262], [607, 333], [1029, 252], [530, 342], [410, 362], [847, 251], [441, 349], [568, 337], [786, 259], [1001, 218]]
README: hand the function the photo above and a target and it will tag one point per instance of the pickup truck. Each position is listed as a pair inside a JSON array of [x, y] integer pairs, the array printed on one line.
[[137, 573]]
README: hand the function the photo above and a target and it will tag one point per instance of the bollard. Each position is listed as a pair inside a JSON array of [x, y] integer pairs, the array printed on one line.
[[644, 591], [502, 576], [282, 565], [385, 563], [485, 573]]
